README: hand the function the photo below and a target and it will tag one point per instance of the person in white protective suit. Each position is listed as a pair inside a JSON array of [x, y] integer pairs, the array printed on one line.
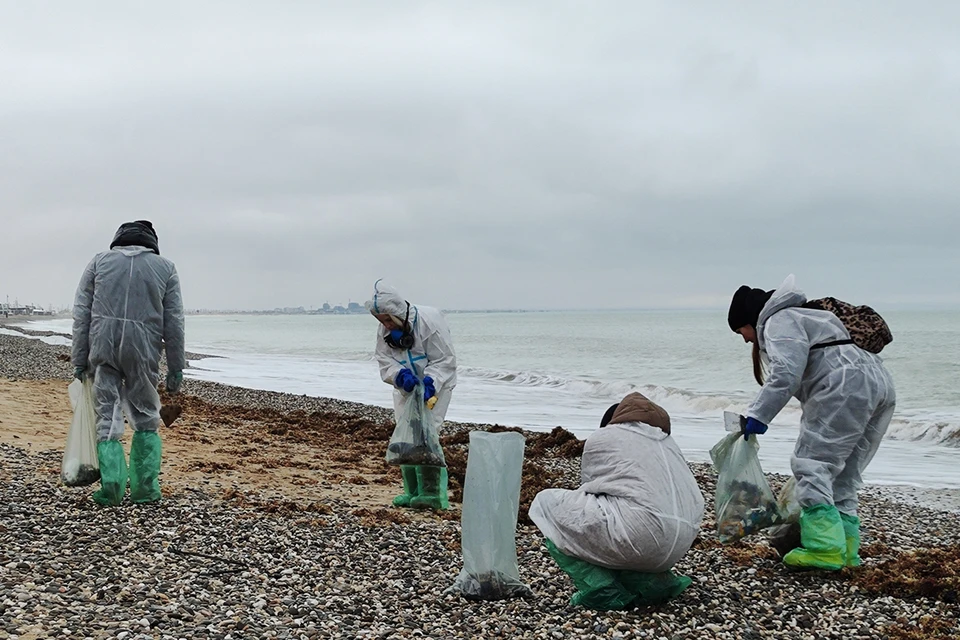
[[127, 309], [415, 350], [848, 400], [636, 513]]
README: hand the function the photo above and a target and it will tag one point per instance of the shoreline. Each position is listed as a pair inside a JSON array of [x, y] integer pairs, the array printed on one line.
[[932, 497], [296, 489]]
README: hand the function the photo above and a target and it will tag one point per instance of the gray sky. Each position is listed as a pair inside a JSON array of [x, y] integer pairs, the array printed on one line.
[[486, 155]]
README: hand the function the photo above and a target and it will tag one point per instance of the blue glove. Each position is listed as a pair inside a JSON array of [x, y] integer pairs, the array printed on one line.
[[428, 389], [405, 380], [755, 427], [78, 373], [174, 379]]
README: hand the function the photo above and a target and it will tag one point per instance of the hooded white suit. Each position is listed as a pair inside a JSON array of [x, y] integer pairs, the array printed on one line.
[[846, 394], [431, 355]]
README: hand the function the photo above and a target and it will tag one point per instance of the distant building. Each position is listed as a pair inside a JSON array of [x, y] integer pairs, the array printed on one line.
[[17, 310]]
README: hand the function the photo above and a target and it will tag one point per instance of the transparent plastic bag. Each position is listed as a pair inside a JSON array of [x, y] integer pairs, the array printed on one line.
[[491, 501], [786, 537], [416, 438], [80, 466], [745, 503]]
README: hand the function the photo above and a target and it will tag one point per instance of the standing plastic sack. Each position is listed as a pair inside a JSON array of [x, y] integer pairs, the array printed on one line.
[[80, 466], [745, 503], [415, 439], [491, 502]]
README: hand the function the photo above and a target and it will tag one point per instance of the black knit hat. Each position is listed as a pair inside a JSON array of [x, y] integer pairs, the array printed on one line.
[[139, 233], [746, 306], [148, 225]]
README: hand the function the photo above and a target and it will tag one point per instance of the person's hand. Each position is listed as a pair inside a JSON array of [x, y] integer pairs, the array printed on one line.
[[753, 426], [428, 389], [405, 380], [174, 380], [78, 373]]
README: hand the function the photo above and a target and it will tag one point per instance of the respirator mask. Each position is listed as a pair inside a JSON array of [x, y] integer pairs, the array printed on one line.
[[401, 338]]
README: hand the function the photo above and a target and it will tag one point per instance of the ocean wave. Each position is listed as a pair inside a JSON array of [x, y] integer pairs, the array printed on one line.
[[937, 429], [933, 430], [671, 398]]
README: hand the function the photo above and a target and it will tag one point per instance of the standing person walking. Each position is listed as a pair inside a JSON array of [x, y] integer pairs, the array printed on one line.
[[128, 309], [415, 350]]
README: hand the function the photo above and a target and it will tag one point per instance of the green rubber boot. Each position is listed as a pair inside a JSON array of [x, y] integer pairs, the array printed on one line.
[[433, 489], [409, 473], [851, 530], [821, 534], [145, 467], [113, 473], [653, 588], [598, 588]]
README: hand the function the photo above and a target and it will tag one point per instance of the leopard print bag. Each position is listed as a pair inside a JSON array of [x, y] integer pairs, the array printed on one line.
[[866, 327]]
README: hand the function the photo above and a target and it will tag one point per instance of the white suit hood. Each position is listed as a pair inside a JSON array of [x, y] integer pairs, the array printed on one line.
[[432, 353], [787, 295], [386, 299], [846, 393]]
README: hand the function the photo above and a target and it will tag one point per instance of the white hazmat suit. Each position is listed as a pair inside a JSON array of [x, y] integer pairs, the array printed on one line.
[[638, 508], [128, 308], [846, 393], [430, 355]]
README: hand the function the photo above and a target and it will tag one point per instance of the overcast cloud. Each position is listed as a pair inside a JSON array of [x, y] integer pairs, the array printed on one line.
[[486, 154]]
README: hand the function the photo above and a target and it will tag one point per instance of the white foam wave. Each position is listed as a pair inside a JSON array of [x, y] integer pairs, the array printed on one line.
[[59, 325], [671, 398], [940, 429], [930, 430], [54, 340]]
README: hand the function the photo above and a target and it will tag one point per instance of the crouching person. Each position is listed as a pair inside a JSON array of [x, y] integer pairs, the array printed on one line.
[[635, 515]]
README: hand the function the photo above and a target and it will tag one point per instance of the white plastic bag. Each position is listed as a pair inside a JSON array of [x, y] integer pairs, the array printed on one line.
[[491, 501], [744, 501], [415, 439], [80, 466]]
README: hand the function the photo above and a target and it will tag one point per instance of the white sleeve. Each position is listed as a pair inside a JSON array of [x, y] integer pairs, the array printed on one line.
[[788, 347], [82, 308], [389, 368], [441, 358]]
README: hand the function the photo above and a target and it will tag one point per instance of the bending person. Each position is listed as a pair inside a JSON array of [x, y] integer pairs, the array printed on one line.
[[635, 515], [415, 350], [847, 397], [127, 310]]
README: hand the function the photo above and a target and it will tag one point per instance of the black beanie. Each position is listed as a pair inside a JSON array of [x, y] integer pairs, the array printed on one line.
[[148, 225], [746, 306], [608, 416], [139, 233]]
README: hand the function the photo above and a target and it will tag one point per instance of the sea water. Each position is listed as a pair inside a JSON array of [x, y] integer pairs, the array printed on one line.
[[539, 370]]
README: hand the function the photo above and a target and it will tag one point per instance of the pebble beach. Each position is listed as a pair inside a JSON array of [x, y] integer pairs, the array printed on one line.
[[276, 523]]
